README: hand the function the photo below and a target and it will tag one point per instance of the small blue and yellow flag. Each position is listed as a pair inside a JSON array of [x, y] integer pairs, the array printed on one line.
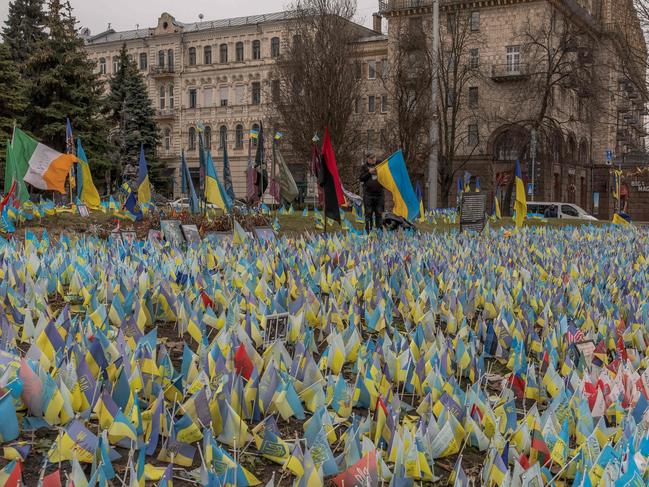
[[520, 205]]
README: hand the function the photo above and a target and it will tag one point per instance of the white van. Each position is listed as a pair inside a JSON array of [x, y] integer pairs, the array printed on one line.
[[567, 211]]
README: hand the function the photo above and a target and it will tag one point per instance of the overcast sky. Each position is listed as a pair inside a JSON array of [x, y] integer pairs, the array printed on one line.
[[125, 14]]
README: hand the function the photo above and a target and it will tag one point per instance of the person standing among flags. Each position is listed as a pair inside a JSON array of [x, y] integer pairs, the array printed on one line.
[[373, 197]]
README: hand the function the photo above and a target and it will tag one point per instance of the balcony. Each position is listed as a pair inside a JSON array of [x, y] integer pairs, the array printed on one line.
[[509, 72], [161, 71], [165, 113], [386, 6]]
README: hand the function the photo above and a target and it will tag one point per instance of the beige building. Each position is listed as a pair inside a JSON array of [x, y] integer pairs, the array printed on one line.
[[552, 68], [219, 73]]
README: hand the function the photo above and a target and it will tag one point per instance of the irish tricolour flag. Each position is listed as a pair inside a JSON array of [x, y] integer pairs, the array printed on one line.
[[47, 168]]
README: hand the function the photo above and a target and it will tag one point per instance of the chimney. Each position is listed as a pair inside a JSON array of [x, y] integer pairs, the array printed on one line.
[[376, 23]]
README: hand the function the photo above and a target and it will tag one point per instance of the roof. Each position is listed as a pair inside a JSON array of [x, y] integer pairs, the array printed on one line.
[[111, 35], [373, 38]]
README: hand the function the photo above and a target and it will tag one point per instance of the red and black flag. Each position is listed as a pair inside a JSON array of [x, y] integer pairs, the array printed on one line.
[[329, 180]]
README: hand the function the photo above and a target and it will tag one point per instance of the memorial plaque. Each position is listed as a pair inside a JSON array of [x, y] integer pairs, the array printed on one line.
[[472, 211], [265, 234], [276, 328], [155, 235], [128, 237], [191, 233], [220, 238], [83, 210], [172, 231]]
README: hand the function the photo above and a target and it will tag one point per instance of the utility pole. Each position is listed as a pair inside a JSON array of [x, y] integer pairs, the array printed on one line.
[[433, 163]]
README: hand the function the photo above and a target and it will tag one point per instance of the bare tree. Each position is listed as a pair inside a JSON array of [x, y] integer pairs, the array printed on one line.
[[408, 84], [457, 110], [314, 82]]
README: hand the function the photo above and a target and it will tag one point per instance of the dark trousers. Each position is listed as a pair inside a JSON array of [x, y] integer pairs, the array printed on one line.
[[374, 206]]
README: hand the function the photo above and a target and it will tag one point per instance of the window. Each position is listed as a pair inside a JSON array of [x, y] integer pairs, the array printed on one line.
[[208, 137], [384, 103], [384, 69], [239, 51], [274, 89], [371, 104], [144, 61], [297, 39], [170, 59], [474, 58], [115, 64], [171, 95], [207, 96], [473, 134], [569, 210], [102, 65], [451, 20], [223, 136], [223, 53], [274, 47], [473, 97], [513, 59], [450, 97], [238, 137], [474, 21], [207, 54], [192, 98], [167, 141], [358, 70], [223, 95], [256, 93], [161, 59], [192, 56], [357, 105], [256, 49], [162, 97], [240, 94], [371, 69], [191, 143]]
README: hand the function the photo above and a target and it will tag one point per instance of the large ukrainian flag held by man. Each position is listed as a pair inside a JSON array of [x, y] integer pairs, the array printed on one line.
[[48, 169], [393, 176]]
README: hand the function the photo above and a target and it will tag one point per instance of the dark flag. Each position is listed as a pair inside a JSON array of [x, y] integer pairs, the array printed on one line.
[[261, 182], [330, 181]]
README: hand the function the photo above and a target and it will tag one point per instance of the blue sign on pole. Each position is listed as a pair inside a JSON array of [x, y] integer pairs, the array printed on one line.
[[609, 155]]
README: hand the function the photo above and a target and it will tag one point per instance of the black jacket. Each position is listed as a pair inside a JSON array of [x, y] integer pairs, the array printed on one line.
[[371, 187]]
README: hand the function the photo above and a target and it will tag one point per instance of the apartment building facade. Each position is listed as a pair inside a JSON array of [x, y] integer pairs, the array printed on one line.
[[542, 82], [218, 75]]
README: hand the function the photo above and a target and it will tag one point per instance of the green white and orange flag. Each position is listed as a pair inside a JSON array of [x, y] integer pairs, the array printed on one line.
[[48, 169]]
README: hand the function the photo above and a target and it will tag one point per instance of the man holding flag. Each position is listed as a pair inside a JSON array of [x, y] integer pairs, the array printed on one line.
[[373, 197]]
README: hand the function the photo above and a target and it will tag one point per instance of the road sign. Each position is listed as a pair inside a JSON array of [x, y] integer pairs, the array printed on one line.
[[530, 189], [609, 156]]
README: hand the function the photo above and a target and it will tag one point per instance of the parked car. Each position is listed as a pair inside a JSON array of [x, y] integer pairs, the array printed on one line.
[[566, 211]]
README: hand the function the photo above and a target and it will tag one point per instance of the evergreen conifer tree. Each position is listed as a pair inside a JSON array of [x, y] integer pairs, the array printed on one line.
[[12, 99], [61, 82], [130, 111], [24, 28]]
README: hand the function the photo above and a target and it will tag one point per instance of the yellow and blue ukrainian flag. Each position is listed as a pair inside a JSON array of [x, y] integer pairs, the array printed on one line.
[[214, 192], [520, 205], [393, 176], [143, 186]]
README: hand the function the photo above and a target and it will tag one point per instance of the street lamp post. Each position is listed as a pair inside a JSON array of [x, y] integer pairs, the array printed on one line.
[[433, 163]]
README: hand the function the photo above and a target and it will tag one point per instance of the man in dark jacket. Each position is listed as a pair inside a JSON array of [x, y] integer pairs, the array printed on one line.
[[373, 198]]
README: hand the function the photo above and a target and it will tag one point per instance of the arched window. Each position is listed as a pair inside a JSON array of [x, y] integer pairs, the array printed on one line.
[[191, 143], [223, 53], [115, 64], [255, 128], [274, 47], [102, 65], [223, 136], [238, 137], [572, 149], [144, 61], [192, 56], [208, 137], [239, 51], [207, 54], [511, 144], [167, 141], [170, 59], [162, 97], [161, 59], [171, 95], [556, 147], [256, 49]]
